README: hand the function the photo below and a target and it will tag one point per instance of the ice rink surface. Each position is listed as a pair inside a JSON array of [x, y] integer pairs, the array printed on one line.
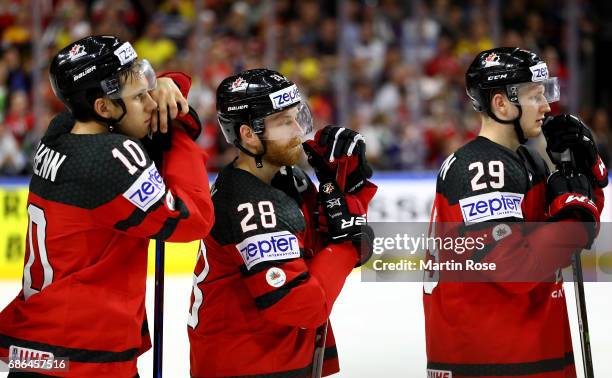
[[379, 328]]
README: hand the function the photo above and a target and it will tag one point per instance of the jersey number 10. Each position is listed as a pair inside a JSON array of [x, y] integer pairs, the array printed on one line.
[[37, 229]]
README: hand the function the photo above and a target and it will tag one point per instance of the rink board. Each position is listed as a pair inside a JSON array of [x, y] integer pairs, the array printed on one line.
[[401, 197]]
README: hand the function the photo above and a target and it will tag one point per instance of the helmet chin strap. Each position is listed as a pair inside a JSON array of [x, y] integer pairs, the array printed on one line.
[[257, 157], [111, 122], [515, 122]]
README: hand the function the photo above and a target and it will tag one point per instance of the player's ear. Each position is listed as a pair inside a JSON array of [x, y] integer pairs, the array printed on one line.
[[103, 107], [500, 104], [248, 137]]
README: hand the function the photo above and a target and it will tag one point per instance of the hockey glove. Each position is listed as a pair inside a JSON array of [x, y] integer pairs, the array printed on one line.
[[344, 218], [572, 198], [566, 131], [337, 153], [293, 181]]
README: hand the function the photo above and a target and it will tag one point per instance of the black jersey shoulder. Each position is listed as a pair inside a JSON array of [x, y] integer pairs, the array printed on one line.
[[86, 170], [239, 199], [535, 164], [475, 168]]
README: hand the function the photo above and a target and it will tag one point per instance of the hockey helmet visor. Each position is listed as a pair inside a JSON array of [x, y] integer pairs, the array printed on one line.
[[291, 115], [119, 86], [536, 93]]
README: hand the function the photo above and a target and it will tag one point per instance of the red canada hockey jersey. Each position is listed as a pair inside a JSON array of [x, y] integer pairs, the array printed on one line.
[[263, 283], [499, 328], [94, 203]]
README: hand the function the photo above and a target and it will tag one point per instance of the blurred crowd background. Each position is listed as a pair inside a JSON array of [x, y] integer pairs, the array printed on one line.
[[391, 69]]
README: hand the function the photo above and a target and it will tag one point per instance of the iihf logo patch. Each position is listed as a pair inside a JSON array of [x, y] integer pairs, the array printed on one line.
[[328, 188], [76, 51], [276, 277]]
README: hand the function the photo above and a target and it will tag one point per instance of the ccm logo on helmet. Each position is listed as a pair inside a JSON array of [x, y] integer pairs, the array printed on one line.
[[497, 77], [493, 205], [285, 97]]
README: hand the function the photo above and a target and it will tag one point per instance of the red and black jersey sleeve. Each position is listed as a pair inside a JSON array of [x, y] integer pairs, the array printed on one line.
[[112, 176], [487, 191], [263, 230], [173, 206]]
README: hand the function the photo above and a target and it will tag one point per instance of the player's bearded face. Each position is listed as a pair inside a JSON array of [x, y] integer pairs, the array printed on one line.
[[284, 152], [283, 137]]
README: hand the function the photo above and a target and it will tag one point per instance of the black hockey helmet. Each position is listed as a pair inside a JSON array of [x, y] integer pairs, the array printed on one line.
[[252, 95], [90, 68], [249, 97], [507, 69]]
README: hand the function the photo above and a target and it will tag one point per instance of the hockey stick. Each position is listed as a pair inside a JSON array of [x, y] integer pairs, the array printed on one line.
[[583, 323], [160, 251], [321, 334], [158, 326], [319, 352]]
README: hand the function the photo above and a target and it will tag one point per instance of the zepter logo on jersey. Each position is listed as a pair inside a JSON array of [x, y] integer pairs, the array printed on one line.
[[147, 189], [271, 246], [489, 206]]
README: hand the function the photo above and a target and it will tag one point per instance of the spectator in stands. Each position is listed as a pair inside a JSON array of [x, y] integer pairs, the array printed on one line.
[[603, 137], [18, 79], [18, 33], [71, 23], [19, 119], [401, 55], [478, 39], [153, 46], [12, 159]]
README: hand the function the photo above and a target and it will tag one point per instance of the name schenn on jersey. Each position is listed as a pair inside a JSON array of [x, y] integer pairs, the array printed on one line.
[[47, 162], [494, 205]]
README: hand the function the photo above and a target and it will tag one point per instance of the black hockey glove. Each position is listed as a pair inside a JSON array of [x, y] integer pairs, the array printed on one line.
[[344, 219], [572, 197], [157, 143], [293, 181], [566, 131], [338, 153]]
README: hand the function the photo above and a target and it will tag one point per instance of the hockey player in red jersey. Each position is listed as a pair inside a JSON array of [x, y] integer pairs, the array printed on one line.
[[95, 200], [266, 278], [513, 322]]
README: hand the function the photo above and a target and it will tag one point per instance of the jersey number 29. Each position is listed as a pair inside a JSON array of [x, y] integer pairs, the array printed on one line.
[[496, 172]]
